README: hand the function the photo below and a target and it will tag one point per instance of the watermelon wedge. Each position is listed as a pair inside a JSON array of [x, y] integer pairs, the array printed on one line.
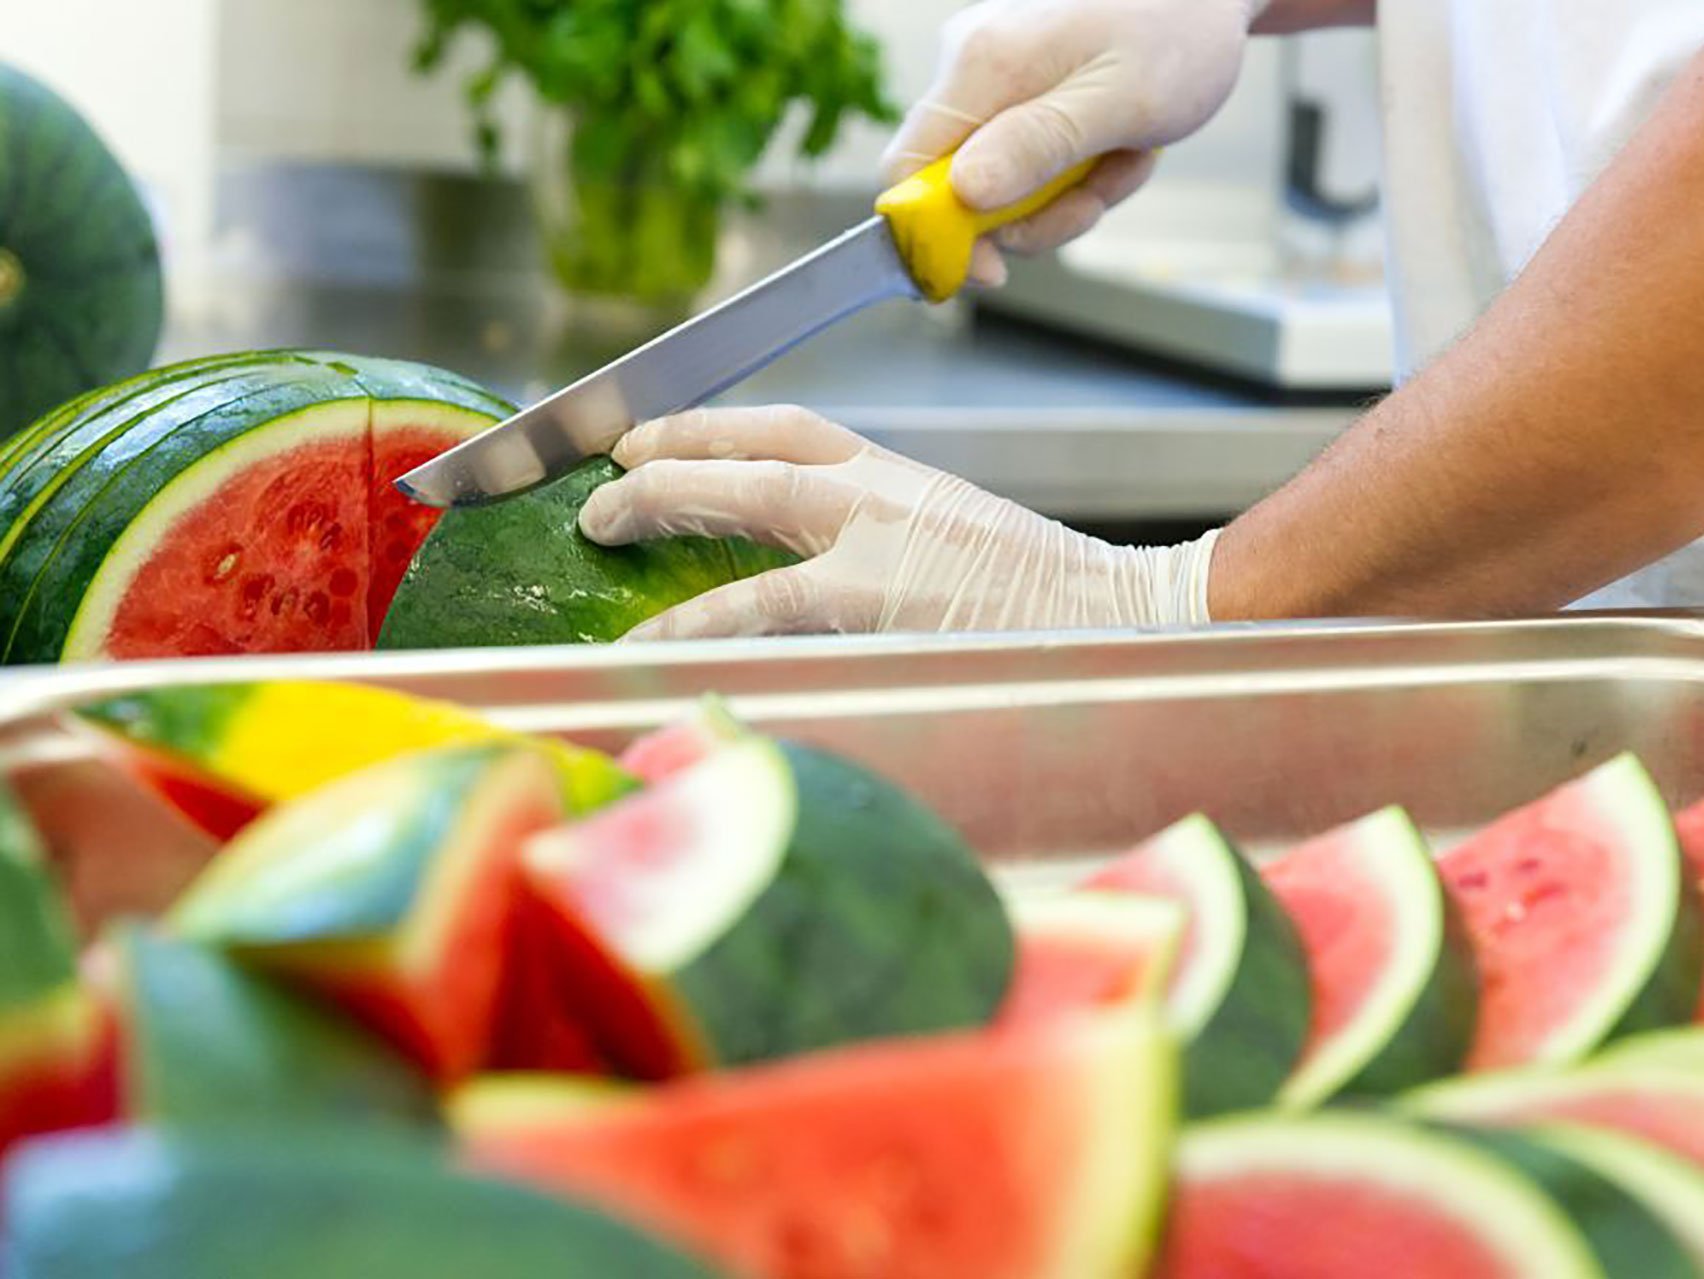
[[1668, 1187], [1083, 950], [391, 891], [1239, 994], [198, 1205], [1345, 1196], [210, 1044], [1034, 1155], [769, 900], [258, 744], [1583, 924], [1392, 978], [56, 1044], [1660, 1105]]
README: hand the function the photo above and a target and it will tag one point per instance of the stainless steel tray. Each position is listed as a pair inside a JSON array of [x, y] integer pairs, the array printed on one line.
[[1043, 750]]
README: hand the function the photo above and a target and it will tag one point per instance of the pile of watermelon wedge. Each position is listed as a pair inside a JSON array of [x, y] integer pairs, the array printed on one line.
[[244, 504], [449, 1000]]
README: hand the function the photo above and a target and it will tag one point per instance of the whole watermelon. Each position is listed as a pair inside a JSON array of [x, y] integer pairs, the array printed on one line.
[[80, 295]]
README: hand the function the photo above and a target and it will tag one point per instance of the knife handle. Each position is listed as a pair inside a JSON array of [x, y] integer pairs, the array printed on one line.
[[935, 231]]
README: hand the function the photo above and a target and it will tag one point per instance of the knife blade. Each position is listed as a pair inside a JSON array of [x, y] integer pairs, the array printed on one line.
[[917, 246]]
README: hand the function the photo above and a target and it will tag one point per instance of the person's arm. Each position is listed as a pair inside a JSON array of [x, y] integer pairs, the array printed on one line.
[[1556, 447]]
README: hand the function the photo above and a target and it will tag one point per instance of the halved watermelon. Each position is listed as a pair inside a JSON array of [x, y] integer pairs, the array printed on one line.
[[1584, 925], [1034, 1155], [267, 742], [1239, 994], [210, 1044], [1393, 984], [1660, 1105], [1347, 1196], [769, 900], [165, 1204], [1084, 949], [251, 485], [391, 890]]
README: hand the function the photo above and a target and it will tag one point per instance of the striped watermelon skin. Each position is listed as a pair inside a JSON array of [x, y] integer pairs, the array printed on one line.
[[81, 297]]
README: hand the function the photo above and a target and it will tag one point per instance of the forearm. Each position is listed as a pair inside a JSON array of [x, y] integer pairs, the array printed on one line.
[[1282, 17], [1558, 446]]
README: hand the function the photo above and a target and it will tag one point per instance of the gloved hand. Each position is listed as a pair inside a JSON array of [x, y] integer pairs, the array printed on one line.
[[890, 544], [1032, 87]]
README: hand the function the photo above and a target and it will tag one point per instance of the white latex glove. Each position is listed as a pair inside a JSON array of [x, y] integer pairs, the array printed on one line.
[[1028, 88], [890, 544]]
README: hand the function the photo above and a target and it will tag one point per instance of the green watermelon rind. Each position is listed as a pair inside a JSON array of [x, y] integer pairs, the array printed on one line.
[[1656, 983], [1511, 1215], [158, 1204], [1681, 1047], [1244, 1012], [1418, 1023], [1626, 1236], [1669, 1187], [1500, 1097]]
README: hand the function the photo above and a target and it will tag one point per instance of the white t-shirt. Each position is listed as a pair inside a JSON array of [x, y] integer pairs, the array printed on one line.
[[1498, 115]]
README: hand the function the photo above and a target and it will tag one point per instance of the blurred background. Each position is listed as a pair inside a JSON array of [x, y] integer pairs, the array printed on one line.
[[314, 185]]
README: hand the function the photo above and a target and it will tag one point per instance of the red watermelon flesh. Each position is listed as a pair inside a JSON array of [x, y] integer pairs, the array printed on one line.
[[1344, 923], [272, 561], [1086, 950], [1289, 1226], [991, 1155], [59, 1076], [540, 1024], [1689, 826], [1546, 893], [209, 803], [396, 525]]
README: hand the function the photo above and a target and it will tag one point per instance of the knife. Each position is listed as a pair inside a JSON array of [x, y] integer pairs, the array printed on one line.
[[917, 245]]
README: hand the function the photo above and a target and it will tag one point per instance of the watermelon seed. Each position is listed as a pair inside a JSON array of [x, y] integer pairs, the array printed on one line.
[[304, 517], [255, 588], [344, 582], [1529, 865], [1514, 912], [285, 603], [225, 565], [332, 538], [318, 607], [1473, 880]]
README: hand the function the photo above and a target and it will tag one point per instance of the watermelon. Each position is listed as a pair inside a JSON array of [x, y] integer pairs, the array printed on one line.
[[1084, 949], [480, 581], [1657, 1104], [1668, 1187], [1681, 1048], [1036, 1155], [223, 505], [1392, 978], [1339, 1195], [81, 301], [543, 1021], [391, 891], [259, 744], [200, 1205], [669, 749], [1584, 926], [1239, 994], [769, 900], [209, 1043], [56, 1063]]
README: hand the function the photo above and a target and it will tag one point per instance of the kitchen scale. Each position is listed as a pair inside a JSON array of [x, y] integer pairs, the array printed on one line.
[[1276, 278]]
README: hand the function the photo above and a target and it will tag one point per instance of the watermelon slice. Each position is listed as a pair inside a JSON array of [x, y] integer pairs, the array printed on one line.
[[258, 744], [766, 901], [1689, 828], [1239, 994], [1668, 1187], [199, 1205], [1083, 949], [1583, 924], [1393, 983], [209, 1043], [391, 890], [56, 1045], [676, 746], [1034, 1155], [1660, 1105], [1345, 1196]]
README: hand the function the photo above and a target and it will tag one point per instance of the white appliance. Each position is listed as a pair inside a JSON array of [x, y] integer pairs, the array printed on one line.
[[1256, 251]]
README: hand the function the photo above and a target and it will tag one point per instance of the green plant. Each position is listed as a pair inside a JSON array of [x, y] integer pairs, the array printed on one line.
[[672, 102]]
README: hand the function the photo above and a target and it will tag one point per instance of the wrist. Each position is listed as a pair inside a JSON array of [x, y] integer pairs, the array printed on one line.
[[1166, 586]]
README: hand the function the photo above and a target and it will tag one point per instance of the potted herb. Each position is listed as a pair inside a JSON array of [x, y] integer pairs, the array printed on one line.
[[659, 110]]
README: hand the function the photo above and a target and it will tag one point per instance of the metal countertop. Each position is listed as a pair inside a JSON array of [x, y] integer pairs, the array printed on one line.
[[446, 269]]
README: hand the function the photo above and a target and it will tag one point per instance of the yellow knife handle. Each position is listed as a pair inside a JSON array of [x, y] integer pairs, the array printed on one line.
[[935, 230]]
